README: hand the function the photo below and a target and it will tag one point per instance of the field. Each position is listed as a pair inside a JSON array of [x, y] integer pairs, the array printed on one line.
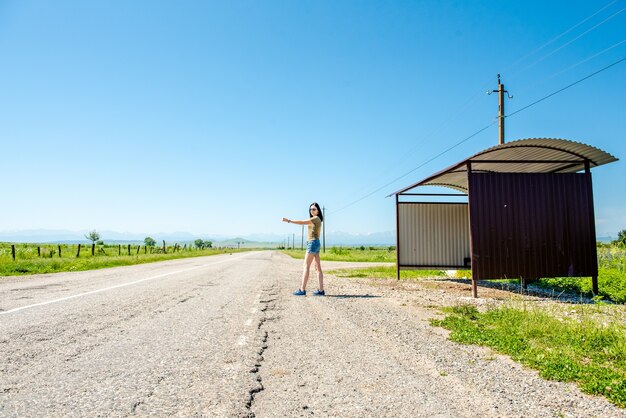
[[585, 344], [53, 258], [45, 258], [580, 343], [365, 254], [611, 265]]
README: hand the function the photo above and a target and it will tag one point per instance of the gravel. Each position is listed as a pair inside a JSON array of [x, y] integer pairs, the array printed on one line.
[[225, 337], [368, 349]]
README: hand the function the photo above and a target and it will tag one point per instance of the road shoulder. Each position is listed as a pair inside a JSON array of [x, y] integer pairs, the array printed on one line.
[[368, 349]]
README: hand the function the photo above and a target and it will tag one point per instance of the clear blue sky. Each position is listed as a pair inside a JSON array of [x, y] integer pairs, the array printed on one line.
[[222, 117]]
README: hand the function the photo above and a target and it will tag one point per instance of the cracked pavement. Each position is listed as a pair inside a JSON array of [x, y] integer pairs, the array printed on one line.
[[171, 338], [223, 336]]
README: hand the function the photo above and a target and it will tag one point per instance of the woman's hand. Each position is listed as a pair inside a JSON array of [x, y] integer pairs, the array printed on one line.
[[285, 220]]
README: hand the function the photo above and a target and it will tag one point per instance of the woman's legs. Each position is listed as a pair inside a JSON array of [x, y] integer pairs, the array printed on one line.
[[320, 274], [308, 258]]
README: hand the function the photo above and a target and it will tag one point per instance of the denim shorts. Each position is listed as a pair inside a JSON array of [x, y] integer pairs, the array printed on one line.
[[313, 246]]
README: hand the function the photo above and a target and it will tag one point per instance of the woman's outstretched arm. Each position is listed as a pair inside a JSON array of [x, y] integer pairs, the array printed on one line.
[[303, 222]]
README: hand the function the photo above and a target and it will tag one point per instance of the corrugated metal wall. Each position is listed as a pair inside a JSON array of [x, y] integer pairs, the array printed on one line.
[[433, 235], [532, 225]]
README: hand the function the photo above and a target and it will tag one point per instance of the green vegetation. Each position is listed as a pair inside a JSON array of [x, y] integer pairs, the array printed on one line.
[[364, 254], [611, 276], [203, 244], [28, 260], [93, 236], [585, 346], [386, 272], [621, 238], [368, 254]]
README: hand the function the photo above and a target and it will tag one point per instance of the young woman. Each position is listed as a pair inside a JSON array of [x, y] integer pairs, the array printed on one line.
[[314, 223]]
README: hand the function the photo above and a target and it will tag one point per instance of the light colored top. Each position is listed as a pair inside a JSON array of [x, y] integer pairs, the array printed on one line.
[[314, 228]]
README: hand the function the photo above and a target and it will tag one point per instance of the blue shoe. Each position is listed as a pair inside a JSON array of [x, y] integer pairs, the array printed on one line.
[[319, 293], [300, 292]]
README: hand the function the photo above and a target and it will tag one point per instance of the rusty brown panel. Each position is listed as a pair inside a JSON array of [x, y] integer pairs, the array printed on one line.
[[532, 225]]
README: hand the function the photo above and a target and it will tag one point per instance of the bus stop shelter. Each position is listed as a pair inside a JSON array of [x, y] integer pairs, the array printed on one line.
[[528, 214]]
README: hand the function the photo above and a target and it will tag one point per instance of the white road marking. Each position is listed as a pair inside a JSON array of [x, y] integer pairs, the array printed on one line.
[[119, 285]]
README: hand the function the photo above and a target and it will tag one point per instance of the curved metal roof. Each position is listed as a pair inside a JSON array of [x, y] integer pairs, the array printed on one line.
[[533, 155]]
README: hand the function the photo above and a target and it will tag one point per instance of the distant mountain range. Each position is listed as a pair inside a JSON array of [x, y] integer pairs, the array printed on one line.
[[114, 237], [263, 240]]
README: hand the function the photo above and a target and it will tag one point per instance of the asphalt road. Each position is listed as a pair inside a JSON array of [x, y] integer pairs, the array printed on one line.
[[223, 336], [170, 338]]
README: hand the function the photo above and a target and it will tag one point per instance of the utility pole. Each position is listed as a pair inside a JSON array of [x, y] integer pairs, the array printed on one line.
[[500, 92], [324, 229], [293, 241]]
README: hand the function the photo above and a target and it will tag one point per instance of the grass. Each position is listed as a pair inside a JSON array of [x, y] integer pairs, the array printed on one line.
[[575, 348], [587, 346], [611, 264], [366, 254], [28, 262], [386, 272], [611, 276]]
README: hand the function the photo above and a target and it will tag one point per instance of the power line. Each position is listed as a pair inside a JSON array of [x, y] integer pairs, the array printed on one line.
[[407, 154], [476, 133], [572, 40], [436, 128], [563, 33], [416, 168], [578, 63], [566, 87]]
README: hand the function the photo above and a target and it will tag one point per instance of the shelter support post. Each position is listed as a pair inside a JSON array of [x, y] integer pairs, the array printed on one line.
[[592, 224], [397, 240], [474, 272]]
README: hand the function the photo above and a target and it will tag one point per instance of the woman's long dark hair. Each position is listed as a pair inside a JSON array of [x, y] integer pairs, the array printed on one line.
[[319, 211]]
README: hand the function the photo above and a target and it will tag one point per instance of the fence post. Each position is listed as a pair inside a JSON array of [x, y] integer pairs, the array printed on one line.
[[138, 248], [78, 252], [164, 248], [59, 251], [13, 251], [93, 248], [128, 249], [119, 249], [145, 249], [38, 251]]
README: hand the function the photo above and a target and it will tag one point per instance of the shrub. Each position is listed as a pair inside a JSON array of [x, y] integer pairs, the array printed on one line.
[[339, 251]]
